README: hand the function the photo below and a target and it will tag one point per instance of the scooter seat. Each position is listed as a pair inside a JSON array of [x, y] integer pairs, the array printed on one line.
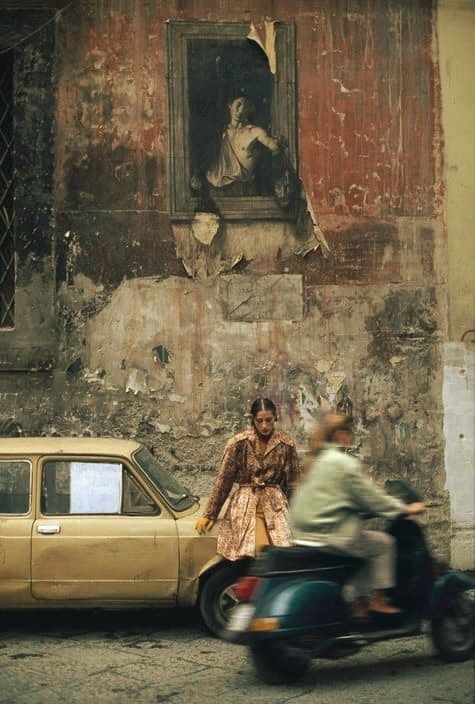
[[306, 560]]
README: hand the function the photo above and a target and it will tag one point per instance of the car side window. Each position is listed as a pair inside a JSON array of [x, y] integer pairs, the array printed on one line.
[[15, 483], [135, 501], [91, 487]]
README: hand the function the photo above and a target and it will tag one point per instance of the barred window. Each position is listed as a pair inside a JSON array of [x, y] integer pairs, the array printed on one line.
[[7, 215]]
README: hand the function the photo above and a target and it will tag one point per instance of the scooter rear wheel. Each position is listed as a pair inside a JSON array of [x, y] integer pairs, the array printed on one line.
[[453, 634], [276, 662]]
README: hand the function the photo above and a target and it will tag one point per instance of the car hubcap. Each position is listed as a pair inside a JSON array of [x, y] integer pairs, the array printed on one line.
[[227, 602]]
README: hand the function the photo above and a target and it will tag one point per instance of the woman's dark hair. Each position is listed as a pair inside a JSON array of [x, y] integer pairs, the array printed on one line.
[[263, 404]]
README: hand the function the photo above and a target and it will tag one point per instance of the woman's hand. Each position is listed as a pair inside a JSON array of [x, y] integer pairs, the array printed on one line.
[[414, 508], [204, 524]]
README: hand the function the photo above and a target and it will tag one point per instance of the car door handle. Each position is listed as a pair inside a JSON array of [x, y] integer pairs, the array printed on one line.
[[49, 528]]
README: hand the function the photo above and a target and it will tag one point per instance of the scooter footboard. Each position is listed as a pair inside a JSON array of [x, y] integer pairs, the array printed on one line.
[[300, 605]]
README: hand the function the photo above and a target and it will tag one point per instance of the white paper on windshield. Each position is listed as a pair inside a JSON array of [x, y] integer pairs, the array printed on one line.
[[95, 488]]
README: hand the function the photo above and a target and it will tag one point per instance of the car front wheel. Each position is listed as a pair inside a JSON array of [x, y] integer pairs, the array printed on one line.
[[217, 597]]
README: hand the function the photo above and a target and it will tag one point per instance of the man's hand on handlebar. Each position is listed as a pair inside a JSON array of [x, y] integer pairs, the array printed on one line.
[[414, 508]]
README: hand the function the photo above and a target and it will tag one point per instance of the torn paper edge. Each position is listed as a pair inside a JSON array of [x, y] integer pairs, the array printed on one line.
[[316, 228], [268, 45]]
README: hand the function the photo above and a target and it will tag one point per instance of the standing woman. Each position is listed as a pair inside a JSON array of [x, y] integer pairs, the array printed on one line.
[[263, 462]]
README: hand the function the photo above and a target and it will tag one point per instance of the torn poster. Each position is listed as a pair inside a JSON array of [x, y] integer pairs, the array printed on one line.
[[266, 40]]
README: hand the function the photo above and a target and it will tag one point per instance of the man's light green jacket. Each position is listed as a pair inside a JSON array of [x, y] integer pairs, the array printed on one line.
[[329, 501]]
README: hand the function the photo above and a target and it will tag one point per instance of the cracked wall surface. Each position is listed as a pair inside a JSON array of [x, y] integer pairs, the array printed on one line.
[[166, 330]]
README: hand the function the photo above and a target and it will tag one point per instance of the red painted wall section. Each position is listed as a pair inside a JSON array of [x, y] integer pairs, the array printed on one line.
[[367, 109], [112, 132]]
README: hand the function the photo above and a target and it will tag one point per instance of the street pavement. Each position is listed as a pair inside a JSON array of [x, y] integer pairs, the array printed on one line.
[[152, 657]]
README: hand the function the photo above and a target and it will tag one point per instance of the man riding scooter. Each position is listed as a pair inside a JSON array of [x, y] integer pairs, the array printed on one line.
[[327, 507]]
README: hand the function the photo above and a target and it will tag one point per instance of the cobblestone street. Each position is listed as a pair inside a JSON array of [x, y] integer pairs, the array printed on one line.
[[153, 657]]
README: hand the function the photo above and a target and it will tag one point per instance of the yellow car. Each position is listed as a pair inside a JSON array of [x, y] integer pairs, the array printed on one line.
[[97, 522]]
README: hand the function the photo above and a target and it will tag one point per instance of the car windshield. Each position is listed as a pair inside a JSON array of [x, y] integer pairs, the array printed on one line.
[[176, 494]]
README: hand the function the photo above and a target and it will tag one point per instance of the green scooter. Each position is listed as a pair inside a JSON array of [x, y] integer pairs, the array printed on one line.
[[292, 607]]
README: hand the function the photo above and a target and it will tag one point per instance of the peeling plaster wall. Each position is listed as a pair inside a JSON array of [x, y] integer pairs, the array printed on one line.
[[456, 25], [167, 339], [367, 96], [459, 424], [30, 344]]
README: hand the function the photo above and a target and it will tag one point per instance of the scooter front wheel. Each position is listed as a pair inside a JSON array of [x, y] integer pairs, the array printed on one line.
[[453, 633], [276, 662]]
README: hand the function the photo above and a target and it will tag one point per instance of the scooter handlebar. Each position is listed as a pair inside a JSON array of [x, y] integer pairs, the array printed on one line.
[[415, 508]]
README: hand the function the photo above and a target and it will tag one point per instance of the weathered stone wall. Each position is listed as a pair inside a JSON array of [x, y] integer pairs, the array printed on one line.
[[162, 338]]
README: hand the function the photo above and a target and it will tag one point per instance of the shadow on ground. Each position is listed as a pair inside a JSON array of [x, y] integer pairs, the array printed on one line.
[[374, 670], [73, 621]]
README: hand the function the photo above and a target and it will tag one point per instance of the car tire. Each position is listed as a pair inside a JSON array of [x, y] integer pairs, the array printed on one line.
[[278, 663], [453, 633], [216, 600]]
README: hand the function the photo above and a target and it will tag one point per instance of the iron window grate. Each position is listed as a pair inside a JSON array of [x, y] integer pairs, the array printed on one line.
[[7, 212]]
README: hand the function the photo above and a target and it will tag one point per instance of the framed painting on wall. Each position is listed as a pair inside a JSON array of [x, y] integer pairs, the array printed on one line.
[[218, 78]]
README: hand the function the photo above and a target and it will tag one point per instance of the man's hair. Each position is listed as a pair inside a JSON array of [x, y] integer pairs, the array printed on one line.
[[326, 431], [247, 101]]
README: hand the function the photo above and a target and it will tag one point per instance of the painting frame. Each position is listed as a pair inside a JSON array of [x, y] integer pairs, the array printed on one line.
[[182, 36]]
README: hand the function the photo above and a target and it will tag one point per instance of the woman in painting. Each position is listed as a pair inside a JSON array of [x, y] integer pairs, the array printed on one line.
[[264, 464]]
